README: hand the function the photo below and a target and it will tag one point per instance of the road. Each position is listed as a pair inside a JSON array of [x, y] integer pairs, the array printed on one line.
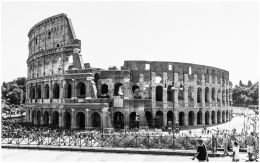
[[10, 155]]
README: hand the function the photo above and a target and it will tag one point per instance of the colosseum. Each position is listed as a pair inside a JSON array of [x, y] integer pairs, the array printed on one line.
[[64, 92]]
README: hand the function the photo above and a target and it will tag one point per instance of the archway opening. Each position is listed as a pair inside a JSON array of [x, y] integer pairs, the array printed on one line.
[[46, 91], [218, 117], [207, 96], [133, 123], [170, 119], [213, 117], [158, 119], [55, 119], [190, 97], [46, 118], [149, 117], [136, 92], [81, 90], [199, 95], [68, 90], [118, 89], [169, 93], [159, 93], [199, 117], [39, 91], [56, 91], [33, 116], [181, 118], [191, 118], [96, 120], [223, 116], [104, 91], [213, 94], [38, 117], [67, 120], [118, 120], [80, 120], [207, 117]]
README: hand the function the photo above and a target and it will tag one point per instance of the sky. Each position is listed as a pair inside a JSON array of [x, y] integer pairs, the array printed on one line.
[[222, 34]]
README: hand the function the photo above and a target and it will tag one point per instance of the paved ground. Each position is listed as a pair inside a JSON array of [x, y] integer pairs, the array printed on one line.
[[9, 155]]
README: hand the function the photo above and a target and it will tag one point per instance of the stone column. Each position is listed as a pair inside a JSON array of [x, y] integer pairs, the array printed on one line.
[[195, 118], [142, 119], [210, 121], [126, 117], [186, 99], [104, 119], [50, 91], [73, 119], [41, 116], [153, 97], [203, 90], [87, 89], [73, 91], [61, 117], [203, 117], [220, 116], [176, 115], [62, 83], [35, 117], [186, 118], [87, 120], [127, 89], [165, 102], [176, 102], [42, 91], [141, 84]]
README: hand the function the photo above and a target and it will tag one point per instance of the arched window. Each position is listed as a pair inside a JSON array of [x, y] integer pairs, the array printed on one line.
[[190, 97], [118, 89], [207, 94], [39, 91], [46, 91], [159, 93], [104, 91], [67, 90], [81, 90], [136, 92], [199, 95], [219, 95], [33, 92], [169, 93], [213, 94], [56, 91], [180, 95]]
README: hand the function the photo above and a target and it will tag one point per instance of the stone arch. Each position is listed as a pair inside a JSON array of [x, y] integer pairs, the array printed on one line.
[[213, 94], [159, 93], [181, 118], [207, 117], [33, 116], [46, 91], [46, 118], [213, 117], [67, 120], [132, 121], [199, 95], [169, 118], [136, 92], [191, 118], [149, 118], [81, 90], [68, 90], [158, 119], [118, 91], [190, 92], [104, 89], [56, 91], [38, 116], [219, 116], [227, 118], [180, 94], [223, 96], [169, 93], [207, 95], [32, 92], [227, 92], [39, 92], [223, 116], [199, 117], [219, 95], [55, 119], [118, 120], [80, 120], [96, 120]]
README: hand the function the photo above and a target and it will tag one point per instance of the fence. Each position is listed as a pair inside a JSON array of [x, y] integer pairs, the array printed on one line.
[[116, 140]]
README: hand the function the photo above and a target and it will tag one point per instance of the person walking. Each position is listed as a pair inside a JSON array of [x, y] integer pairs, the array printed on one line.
[[214, 144], [225, 143], [250, 142], [202, 154], [235, 152]]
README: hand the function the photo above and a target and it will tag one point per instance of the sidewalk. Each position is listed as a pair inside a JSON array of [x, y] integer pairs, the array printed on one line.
[[111, 150]]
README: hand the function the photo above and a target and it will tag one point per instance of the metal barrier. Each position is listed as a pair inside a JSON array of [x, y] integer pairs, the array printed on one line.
[[117, 140]]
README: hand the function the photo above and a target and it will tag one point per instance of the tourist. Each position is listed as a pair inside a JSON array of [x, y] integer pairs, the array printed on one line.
[[214, 144], [235, 152], [202, 154], [225, 144], [250, 142]]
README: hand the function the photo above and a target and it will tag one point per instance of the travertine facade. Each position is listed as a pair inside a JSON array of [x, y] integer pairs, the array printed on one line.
[[64, 92]]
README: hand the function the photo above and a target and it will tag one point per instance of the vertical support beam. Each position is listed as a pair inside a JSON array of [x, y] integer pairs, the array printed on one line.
[[186, 118], [73, 91], [176, 102], [186, 88], [61, 96], [165, 103], [210, 122], [42, 91], [153, 97], [195, 91], [203, 117], [142, 120], [60, 117], [73, 119], [195, 118], [87, 119]]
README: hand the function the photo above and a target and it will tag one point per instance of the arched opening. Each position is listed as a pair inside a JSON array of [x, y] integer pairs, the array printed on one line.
[[133, 123], [207, 96], [104, 91], [218, 116], [169, 93], [46, 91], [227, 118], [56, 91], [213, 94], [118, 89], [96, 78], [213, 117], [118, 120], [68, 90], [38, 117], [180, 95], [80, 120], [199, 95], [149, 117], [169, 118], [223, 97], [191, 118], [158, 119], [199, 117], [96, 120], [81, 90], [46, 118], [32, 92], [55, 119], [136, 92], [39, 91], [227, 100], [181, 118], [190, 97], [67, 120], [207, 117], [159, 93], [223, 116]]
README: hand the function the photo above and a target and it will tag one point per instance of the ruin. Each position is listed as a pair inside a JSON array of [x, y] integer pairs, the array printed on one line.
[[63, 91]]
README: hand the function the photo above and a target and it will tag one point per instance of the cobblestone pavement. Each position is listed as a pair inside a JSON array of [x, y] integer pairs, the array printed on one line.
[[10, 155]]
